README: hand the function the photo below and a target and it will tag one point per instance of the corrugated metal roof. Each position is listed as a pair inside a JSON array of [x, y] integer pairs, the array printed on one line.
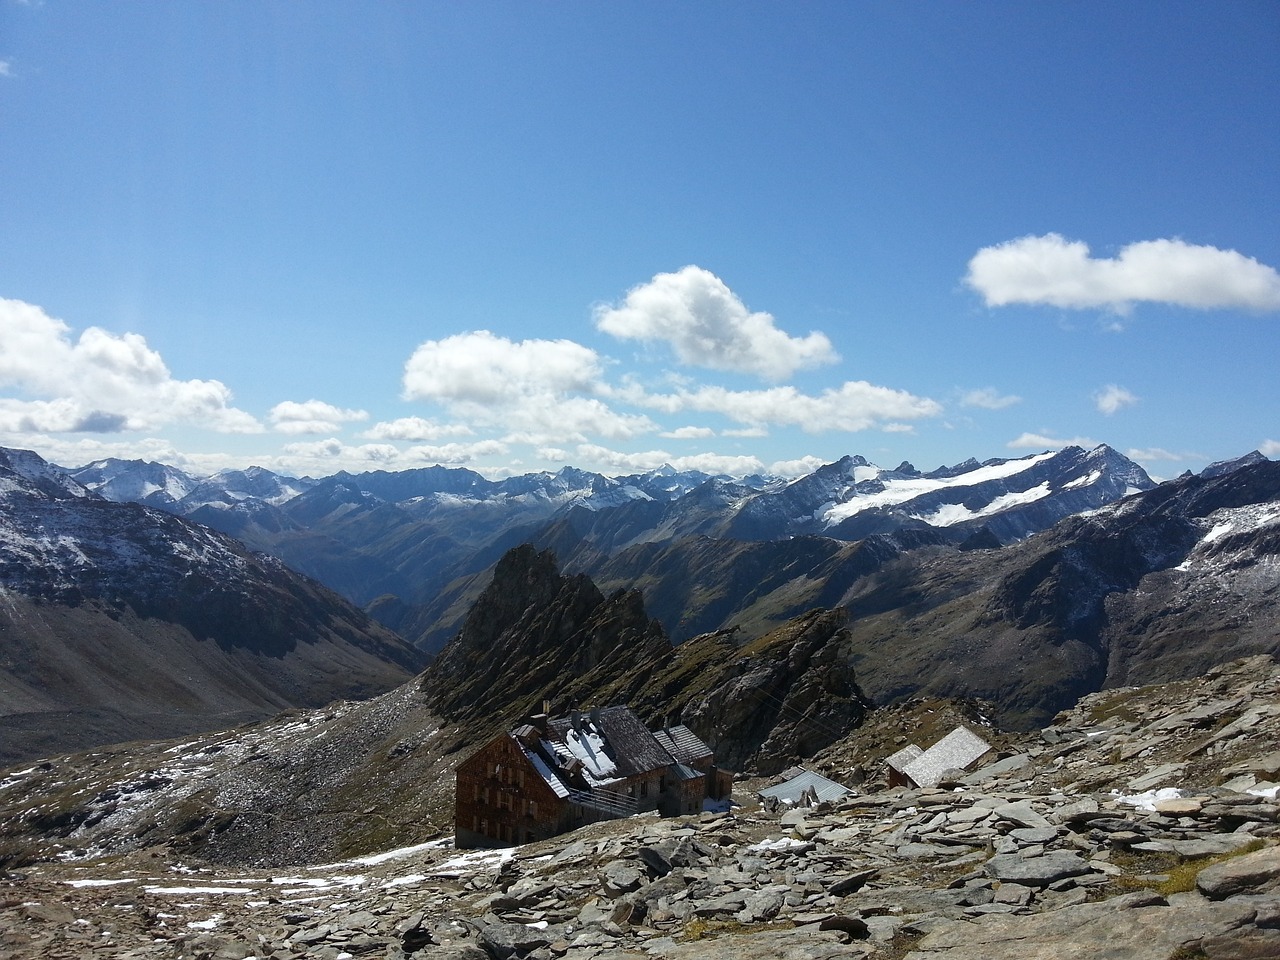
[[790, 791], [686, 773], [957, 749]]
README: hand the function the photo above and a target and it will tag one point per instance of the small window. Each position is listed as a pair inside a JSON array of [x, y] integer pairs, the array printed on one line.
[[533, 808]]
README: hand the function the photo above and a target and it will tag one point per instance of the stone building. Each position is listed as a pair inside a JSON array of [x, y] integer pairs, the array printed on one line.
[[547, 776]]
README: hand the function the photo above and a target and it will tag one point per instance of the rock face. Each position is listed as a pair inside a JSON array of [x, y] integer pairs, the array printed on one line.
[[121, 622], [1052, 857], [538, 636]]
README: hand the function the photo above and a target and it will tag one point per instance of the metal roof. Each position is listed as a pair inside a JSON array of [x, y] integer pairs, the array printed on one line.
[[790, 791]]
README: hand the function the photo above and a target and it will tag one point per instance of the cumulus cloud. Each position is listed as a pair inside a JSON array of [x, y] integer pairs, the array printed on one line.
[[415, 429], [482, 368], [1112, 398], [688, 433], [541, 391], [707, 325], [988, 398], [796, 468], [1269, 448], [6, 68], [1058, 272], [101, 382], [1148, 454], [615, 462], [1040, 441], [855, 405], [313, 416]]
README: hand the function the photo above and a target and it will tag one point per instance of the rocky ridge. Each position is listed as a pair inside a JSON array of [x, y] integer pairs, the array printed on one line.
[[1142, 823], [119, 621]]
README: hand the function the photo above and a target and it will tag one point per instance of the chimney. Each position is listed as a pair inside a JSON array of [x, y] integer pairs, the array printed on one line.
[[575, 720], [595, 717]]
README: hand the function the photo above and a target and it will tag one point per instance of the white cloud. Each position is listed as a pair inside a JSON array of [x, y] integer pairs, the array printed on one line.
[[6, 68], [1055, 271], [988, 398], [1269, 448], [708, 326], [540, 391], [415, 429], [313, 416], [1040, 441], [749, 433], [455, 454], [1147, 454], [482, 368], [688, 433], [1112, 398], [102, 382], [796, 468], [855, 405], [615, 463]]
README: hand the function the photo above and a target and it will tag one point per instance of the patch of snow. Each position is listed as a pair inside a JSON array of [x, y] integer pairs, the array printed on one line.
[[781, 843], [398, 853], [1148, 799], [1271, 792], [210, 924], [900, 491], [588, 746], [183, 891], [1084, 481], [476, 860], [952, 513], [407, 879], [98, 883]]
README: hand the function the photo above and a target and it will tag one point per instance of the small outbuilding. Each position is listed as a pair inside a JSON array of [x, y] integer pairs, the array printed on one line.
[[960, 749], [804, 784]]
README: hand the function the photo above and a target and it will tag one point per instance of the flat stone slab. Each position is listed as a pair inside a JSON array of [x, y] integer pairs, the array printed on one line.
[[1256, 872], [1036, 871], [1139, 926]]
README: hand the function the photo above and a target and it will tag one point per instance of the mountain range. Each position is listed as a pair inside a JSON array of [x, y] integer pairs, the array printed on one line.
[[397, 543], [946, 585], [119, 621]]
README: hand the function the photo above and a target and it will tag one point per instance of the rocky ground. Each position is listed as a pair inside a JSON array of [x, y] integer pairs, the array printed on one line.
[[1142, 824]]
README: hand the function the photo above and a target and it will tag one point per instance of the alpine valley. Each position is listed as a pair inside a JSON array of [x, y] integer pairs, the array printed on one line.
[[823, 621]]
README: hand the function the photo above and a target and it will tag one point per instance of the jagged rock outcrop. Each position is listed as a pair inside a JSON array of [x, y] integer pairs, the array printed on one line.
[[537, 635]]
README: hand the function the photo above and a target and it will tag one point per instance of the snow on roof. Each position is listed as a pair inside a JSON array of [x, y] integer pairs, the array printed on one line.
[[790, 791], [554, 782], [588, 745], [957, 749]]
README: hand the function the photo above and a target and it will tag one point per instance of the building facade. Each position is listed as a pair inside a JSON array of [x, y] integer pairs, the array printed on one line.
[[549, 776]]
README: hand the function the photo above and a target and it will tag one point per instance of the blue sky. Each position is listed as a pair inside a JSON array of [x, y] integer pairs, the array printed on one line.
[[732, 236]]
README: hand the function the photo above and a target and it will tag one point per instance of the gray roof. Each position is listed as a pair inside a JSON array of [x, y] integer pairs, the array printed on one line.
[[790, 791], [683, 744], [628, 742], [904, 756], [958, 749]]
